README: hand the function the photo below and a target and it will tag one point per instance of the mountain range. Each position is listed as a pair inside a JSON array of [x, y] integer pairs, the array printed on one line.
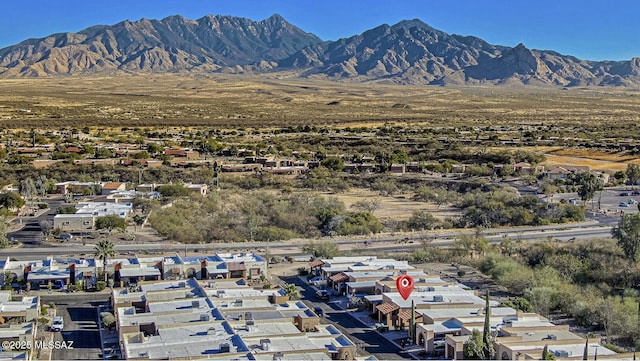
[[409, 52]]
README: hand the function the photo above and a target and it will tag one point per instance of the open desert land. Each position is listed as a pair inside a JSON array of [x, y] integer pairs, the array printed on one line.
[[232, 101], [245, 102]]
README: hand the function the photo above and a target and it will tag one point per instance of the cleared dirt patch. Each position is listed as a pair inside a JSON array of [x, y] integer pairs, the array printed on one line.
[[398, 208]]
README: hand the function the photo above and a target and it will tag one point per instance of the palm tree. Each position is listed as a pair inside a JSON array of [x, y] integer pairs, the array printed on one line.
[[104, 250], [291, 290]]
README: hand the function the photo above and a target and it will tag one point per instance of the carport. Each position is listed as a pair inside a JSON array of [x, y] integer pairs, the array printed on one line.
[[139, 274], [43, 277]]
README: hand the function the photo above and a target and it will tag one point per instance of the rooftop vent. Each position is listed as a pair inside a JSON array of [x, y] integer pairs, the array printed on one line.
[[204, 317], [182, 284], [225, 348], [438, 298], [195, 304], [265, 344], [562, 353]]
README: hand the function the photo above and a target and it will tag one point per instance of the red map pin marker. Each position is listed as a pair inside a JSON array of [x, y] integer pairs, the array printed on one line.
[[404, 284]]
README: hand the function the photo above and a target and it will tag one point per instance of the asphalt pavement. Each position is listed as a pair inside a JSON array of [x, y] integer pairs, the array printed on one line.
[[364, 337], [79, 311]]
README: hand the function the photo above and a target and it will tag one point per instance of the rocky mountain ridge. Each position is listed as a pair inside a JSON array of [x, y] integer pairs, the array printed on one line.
[[409, 52]]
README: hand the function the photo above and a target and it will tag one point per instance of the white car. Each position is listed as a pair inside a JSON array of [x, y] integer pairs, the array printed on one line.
[[58, 324], [317, 281]]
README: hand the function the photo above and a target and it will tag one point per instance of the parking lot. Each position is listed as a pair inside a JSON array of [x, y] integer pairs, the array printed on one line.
[[611, 201]]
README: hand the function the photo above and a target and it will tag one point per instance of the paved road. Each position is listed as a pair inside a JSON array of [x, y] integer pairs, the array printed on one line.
[[585, 230], [371, 341], [31, 234], [79, 313]]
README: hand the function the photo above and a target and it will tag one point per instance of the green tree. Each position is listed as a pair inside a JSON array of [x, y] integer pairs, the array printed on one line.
[[473, 347], [110, 222], [28, 188], [360, 223], [421, 220], [366, 205], [108, 319], [138, 219], [11, 200], [141, 155], [103, 251], [627, 234], [519, 303], [487, 349], [291, 290], [333, 163], [323, 249], [589, 184], [66, 210], [546, 355], [174, 190], [4, 242], [103, 153], [633, 173]]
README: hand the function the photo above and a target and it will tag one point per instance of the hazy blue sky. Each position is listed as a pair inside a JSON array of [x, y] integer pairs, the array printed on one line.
[[588, 29]]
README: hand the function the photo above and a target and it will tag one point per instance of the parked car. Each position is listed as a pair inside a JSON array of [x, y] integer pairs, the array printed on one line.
[[632, 201], [65, 236], [623, 204], [318, 281], [635, 193], [318, 310], [624, 194], [58, 284], [322, 295], [57, 324], [112, 353]]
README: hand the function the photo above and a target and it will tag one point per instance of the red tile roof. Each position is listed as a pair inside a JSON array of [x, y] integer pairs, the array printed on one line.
[[316, 263], [175, 152], [406, 315], [112, 185], [387, 307], [340, 277]]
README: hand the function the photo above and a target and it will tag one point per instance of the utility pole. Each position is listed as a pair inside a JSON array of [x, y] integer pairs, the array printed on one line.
[[266, 270]]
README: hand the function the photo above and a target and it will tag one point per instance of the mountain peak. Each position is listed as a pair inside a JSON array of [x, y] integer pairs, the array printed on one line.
[[520, 46], [409, 52], [172, 44], [413, 23], [276, 17]]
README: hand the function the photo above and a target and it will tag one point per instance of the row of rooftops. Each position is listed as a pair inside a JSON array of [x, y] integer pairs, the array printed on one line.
[[221, 320], [8, 264], [449, 311], [98, 209], [60, 268]]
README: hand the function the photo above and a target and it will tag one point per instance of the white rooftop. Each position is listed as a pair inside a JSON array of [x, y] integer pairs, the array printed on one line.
[[6, 305], [447, 313], [428, 298]]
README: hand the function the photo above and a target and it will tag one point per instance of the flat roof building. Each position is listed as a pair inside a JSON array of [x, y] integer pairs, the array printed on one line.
[[222, 319]]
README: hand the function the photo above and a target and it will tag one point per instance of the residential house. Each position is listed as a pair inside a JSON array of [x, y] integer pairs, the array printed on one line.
[[397, 168], [113, 187]]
